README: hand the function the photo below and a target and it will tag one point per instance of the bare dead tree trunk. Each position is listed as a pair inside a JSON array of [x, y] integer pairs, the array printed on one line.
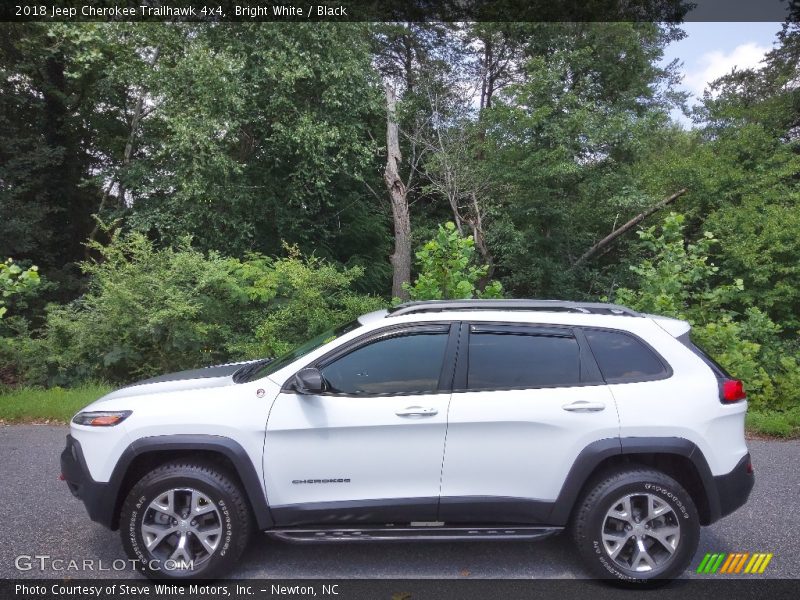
[[137, 117], [627, 227], [401, 258], [453, 200], [128, 153], [480, 240]]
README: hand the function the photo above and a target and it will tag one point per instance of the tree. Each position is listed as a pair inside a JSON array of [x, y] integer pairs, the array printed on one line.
[[748, 161], [262, 133], [410, 58], [767, 95], [58, 123], [499, 56], [740, 167], [563, 146], [452, 144], [398, 193]]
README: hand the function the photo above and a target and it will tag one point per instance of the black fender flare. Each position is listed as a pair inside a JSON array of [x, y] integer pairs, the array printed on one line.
[[596, 452], [230, 449]]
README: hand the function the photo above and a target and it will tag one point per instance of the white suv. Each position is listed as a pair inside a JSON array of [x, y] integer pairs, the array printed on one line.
[[445, 420]]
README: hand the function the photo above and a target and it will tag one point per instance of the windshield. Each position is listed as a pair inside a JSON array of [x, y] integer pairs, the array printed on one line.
[[309, 346]]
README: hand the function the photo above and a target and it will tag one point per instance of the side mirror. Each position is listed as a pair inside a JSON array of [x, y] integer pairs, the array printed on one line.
[[309, 381]]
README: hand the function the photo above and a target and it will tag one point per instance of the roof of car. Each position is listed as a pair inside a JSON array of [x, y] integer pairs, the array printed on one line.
[[553, 312]]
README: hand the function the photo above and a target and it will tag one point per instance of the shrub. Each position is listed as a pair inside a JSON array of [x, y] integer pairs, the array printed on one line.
[[16, 284], [679, 280], [302, 297], [15, 280], [448, 269], [150, 311], [145, 311]]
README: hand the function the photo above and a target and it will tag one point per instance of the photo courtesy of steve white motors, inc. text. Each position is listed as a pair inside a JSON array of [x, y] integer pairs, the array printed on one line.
[[170, 589]]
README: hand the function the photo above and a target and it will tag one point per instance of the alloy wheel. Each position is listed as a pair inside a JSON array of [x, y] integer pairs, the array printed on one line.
[[641, 532], [182, 525]]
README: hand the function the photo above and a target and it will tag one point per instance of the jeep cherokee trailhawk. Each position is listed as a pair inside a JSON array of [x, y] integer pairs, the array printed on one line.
[[443, 420]]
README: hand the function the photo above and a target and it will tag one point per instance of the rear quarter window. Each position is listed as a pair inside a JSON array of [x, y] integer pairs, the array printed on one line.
[[622, 358]]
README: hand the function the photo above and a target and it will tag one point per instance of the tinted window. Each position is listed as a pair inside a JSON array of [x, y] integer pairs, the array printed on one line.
[[248, 373], [498, 361], [404, 364], [622, 357]]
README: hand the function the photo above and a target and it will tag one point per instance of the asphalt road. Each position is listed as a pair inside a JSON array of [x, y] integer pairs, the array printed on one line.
[[38, 516]]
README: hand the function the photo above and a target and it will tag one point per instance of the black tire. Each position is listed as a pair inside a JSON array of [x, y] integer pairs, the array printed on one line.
[[230, 514], [592, 517]]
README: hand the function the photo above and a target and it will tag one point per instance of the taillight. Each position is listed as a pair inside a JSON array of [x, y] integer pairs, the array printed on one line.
[[732, 390]]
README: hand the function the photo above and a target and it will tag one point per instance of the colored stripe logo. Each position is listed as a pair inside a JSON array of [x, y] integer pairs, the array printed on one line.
[[734, 563]]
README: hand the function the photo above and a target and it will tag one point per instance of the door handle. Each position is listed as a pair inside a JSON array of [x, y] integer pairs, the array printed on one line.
[[417, 411], [584, 406]]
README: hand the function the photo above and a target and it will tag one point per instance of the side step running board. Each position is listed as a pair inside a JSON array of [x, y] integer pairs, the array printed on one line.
[[389, 534]]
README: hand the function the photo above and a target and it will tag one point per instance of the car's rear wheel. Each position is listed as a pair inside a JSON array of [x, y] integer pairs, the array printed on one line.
[[185, 520], [636, 526]]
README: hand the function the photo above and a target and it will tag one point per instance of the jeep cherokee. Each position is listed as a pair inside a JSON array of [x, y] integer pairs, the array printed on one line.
[[442, 420]]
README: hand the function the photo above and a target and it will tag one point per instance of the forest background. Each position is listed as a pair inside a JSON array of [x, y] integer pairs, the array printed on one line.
[[175, 195]]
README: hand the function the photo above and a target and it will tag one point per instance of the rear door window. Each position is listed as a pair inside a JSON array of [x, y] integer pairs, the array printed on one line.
[[518, 360]]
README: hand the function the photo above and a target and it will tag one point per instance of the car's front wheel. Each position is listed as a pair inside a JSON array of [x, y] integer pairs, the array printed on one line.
[[185, 520], [636, 526]]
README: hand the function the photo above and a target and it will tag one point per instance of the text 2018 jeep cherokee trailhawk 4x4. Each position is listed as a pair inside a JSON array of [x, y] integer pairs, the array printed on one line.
[[447, 420]]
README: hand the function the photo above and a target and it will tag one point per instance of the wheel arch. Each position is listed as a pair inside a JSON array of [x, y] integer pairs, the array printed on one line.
[[147, 453], [679, 458]]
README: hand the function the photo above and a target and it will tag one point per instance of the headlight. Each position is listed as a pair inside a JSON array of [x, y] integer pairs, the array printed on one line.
[[103, 418]]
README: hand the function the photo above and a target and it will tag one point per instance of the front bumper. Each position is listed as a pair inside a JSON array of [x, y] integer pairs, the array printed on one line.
[[98, 497]]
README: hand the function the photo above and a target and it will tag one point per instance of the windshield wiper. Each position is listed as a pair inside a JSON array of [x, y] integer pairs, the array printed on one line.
[[243, 374]]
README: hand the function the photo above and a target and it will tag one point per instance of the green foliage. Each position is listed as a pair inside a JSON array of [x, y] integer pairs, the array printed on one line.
[[302, 297], [57, 122], [145, 311], [15, 280], [261, 133], [678, 279], [740, 166], [675, 278], [448, 270], [24, 405], [150, 311], [783, 424], [564, 143], [249, 135], [742, 185]]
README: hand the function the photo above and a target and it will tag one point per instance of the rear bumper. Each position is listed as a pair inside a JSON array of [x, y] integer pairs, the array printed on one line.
[[733, 489], [98, 497]]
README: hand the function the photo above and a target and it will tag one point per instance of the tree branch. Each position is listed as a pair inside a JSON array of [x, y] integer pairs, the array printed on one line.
[[627, 227]]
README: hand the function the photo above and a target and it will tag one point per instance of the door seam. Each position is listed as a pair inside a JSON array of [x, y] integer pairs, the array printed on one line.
[[447, 421]]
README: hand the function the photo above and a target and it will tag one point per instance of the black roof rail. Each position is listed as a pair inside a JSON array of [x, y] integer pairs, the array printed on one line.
[[594, 308]]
